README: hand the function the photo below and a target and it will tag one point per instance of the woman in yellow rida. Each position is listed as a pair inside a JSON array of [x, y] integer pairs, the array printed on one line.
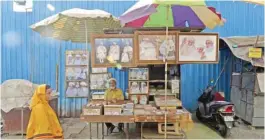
[[43, 123]]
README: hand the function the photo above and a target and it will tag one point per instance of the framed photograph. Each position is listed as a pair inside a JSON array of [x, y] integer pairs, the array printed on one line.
[[138, 87], [139, 99], [197, 48], [77, 89], [99, 81], [116, 47], [151, 47], [76, 73], [138, 74], [99, 70], [76, 57]]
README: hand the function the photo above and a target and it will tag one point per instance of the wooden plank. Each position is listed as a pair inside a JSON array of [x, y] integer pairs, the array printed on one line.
[[154, 118], [108, 118], [149, 133]]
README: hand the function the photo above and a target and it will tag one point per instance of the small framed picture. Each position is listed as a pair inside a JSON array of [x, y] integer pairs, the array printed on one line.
[[138, 87], [77, 89], [138, 74], [109, 48], [197, 48], [99, 81], [76, 57], [76, 73], [151, 47], [139, 99], [99, 70]]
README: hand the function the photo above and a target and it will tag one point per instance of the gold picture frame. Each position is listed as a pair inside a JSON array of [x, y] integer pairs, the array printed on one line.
[[154, 42], [197, 48], [104, 45]]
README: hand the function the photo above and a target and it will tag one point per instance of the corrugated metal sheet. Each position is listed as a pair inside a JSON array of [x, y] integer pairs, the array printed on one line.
[[25, 55], [251, 24]]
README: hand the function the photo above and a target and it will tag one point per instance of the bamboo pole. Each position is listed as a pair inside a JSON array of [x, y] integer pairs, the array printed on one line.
[[165, 134], [87, 56]]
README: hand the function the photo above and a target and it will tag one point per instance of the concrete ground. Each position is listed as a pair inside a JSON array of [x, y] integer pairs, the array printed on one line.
[[75, 129]]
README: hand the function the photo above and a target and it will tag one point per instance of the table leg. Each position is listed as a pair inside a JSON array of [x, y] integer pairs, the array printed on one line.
[[90, 131], [97, 131], [126, 130], [142, 130], [102, 130]]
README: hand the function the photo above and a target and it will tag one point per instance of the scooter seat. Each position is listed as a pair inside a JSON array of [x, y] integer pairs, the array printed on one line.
[[214, 106]]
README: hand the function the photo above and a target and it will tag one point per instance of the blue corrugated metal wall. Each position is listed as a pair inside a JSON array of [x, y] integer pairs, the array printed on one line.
[[243, 19], [25, 55]]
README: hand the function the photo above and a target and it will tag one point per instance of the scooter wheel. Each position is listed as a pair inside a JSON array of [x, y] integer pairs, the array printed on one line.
[[198, 114], [224, 131]]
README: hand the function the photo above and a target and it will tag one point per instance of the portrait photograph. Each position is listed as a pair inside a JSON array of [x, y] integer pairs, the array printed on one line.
[[152, 48], [76, 73], [198, 48], [76, 57], [77, 89], [138, 74], [99, 70], [99, 81], [109, 49], [138, 87]]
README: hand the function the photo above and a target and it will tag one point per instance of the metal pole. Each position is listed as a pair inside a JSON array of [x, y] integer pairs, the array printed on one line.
[[166, 53], [87, 55], [22, 123]]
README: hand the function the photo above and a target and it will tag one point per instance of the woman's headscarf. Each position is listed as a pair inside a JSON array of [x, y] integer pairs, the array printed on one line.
[[39, 96]]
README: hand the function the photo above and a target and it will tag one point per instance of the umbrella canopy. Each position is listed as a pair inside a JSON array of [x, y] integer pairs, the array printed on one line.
[[72, 25], [259, 2], [160, 13]]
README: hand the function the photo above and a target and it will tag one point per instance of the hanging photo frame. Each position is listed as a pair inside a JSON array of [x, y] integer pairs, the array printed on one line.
[[138, 74], [197, 48], [150, 47], [76, 73], [76, 58], [138, 87], [99, 81], [108, 49], [99, 70]]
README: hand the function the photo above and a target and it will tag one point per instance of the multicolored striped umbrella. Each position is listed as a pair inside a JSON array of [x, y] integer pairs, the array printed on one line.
[[171, 13]]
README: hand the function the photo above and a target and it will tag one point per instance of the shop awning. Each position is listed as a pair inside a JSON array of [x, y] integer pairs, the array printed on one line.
[[239, 45]]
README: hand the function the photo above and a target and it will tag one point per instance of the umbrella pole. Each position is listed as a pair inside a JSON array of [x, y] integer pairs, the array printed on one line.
[[165, 134], [87, 56]]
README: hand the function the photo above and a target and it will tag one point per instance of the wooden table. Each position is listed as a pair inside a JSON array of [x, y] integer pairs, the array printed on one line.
[[132, 119], [126, 119]]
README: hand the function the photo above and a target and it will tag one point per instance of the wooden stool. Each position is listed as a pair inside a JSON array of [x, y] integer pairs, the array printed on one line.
[[172, 128]]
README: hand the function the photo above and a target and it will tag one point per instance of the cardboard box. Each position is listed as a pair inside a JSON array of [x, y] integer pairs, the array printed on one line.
[[92, 110], [112, 109]]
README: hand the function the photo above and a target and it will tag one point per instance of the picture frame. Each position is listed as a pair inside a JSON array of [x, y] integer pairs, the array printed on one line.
[[139, 99], [77, 89], [76, 73], [99, 81], [76, 58], [197, 48], [138, 87], [150, 47], [119, 47], [99, 70], [138, 74]]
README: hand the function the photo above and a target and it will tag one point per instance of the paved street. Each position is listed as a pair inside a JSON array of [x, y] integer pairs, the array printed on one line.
[[74, 129]]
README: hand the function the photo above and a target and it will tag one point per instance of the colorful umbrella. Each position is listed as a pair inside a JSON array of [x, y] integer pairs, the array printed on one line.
[[179, 13]]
